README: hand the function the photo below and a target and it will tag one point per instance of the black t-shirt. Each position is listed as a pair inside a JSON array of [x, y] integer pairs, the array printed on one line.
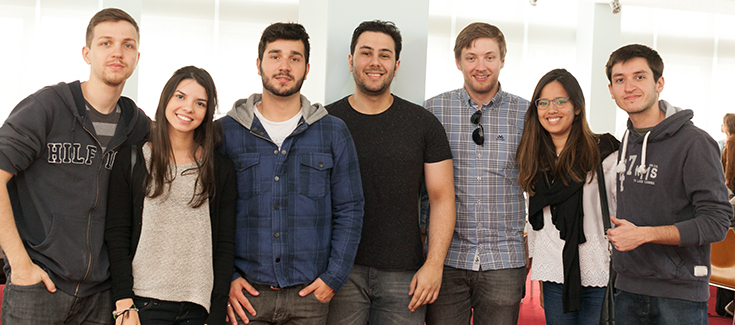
[[392, 148]]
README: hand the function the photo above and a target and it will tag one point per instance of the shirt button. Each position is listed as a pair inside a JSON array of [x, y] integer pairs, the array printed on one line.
[[276, 206], [275, 151], [321, 165], [479, 178], [276, 178], [479, 225], [479, 155], [277, 235], [278, 259], [480, 245], [479, 201], [283, 152]]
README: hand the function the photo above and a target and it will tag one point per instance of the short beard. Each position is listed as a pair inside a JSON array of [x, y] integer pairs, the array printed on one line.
[[282, 92], [385, 87]]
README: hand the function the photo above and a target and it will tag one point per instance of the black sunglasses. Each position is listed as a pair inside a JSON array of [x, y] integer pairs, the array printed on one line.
[[479, 134]]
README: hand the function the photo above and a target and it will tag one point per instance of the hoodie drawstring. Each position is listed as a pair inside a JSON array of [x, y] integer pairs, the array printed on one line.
[[620, 169], [641, 169]]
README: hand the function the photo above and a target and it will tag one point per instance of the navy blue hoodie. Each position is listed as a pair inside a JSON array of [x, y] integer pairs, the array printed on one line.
[[671, 176], [59, 188]]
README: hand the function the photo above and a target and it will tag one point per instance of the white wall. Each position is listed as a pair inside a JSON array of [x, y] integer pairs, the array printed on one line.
[[43, 41]]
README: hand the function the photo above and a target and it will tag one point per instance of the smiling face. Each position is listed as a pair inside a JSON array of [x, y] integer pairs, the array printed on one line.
[[480, 64], [187, 108], [373, 65], [633, 87], [113, 53], [556, 119], [284, 68]]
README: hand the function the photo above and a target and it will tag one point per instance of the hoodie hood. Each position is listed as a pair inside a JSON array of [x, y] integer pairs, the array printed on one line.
[[675, 119], [134, 123], [243, 111]]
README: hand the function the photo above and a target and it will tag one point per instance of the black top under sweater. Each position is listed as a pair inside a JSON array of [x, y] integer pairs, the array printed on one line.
[[392, 148]]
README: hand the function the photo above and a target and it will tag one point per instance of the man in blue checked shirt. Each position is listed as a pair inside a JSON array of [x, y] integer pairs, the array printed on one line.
[[300, 202], [484, 272]]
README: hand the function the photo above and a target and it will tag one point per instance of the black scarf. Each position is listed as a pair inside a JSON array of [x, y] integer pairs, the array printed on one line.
[[567, 215]]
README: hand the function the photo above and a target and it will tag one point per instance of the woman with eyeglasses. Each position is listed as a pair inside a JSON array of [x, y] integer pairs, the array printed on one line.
[[558, 158], [171, 213]]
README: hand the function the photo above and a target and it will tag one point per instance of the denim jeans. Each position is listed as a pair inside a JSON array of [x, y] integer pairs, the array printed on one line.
[[375, 296], [285, 306], [162, 312], [631, 308], [34, 305], [554, 310], [486, 297]]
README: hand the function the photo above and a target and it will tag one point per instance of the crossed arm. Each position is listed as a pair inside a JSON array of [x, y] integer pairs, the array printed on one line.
[[627, 236]]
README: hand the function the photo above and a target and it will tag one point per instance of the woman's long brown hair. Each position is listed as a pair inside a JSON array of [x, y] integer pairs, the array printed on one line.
[[536, 151], [206, 137]]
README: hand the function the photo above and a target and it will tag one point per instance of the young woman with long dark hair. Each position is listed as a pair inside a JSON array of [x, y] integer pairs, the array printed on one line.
[[558, 157], [171, 213]]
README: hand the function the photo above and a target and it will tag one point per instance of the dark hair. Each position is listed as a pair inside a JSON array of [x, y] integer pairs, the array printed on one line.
[[536, 151], [729, 122], [473, 31], [206, 137], [109, 14], [632, 51], [380, 26], [728, 154], [286, 31]]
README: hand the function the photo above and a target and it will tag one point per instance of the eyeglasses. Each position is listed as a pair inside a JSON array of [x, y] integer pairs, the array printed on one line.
[[559, 102], [479, 134]]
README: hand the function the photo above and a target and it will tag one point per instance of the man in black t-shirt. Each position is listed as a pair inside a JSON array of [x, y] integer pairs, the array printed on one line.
[[399, 146]]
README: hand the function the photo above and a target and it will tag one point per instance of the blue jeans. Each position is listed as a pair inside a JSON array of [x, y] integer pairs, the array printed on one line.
[[631, 308], [162, 312], [34, 305], [554, 310], [285, 306], [375, 296], [486, 297]]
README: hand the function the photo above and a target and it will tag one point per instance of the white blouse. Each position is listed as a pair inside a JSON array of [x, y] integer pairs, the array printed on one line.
[[545, 246]]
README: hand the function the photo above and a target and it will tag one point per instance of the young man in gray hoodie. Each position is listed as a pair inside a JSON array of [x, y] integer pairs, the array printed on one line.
[[57, 148], [672, 199]]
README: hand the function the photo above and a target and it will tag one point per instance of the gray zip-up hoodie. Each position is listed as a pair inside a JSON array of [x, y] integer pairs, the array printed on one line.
[[671, 176], [59, 188]]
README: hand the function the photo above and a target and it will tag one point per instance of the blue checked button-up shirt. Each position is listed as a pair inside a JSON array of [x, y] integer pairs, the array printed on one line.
[[490, 206], [300, 207]]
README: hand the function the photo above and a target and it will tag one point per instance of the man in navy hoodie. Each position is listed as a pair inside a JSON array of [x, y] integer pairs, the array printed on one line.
[[57, 148], [672, 199]]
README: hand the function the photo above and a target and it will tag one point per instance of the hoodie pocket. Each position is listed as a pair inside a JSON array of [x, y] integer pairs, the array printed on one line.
[[653, 261], [66, 249], [314, 174], [676, 270], [246, 167]]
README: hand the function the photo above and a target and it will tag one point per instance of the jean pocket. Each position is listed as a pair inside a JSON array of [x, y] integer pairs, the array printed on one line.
[[314, 174], [313, 296], [29, 287], [143, 303]]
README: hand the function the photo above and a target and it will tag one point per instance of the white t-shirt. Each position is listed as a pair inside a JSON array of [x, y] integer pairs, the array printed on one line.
[[279, 131]]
